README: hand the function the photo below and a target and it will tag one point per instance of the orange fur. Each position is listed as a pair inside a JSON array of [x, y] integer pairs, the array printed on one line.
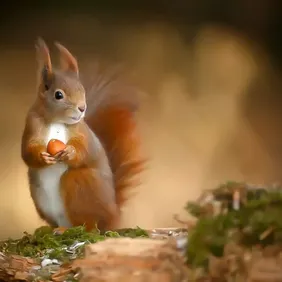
[[81, 157], [88, 200], [32, 144], [116, 128], [99, 172]]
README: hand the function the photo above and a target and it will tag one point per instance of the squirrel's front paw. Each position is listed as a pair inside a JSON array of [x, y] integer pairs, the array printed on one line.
[[47, 158], [67, 154]]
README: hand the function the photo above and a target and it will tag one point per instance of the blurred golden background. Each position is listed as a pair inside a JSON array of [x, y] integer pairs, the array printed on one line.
[[212, 84]]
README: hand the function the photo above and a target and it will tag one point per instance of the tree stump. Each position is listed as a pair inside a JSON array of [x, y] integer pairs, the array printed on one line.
[[132, 260]]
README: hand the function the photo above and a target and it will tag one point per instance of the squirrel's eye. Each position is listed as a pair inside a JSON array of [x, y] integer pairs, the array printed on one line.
[[59, 95]]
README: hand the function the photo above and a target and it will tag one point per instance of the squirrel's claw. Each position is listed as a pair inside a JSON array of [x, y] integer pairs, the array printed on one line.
[[48, 159], [67, 154]]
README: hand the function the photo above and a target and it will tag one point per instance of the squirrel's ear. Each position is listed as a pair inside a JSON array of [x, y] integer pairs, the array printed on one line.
[[68, 61], [45, 64]]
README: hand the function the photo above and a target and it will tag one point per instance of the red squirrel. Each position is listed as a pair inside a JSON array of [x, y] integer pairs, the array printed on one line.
[[86, 183]]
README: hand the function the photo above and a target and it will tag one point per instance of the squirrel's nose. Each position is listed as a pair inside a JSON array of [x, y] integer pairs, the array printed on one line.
[[82, 108]]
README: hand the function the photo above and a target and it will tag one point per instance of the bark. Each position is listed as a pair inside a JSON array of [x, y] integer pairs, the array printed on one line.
[[132, 260], [155, 259], [149, 260], [117, 259], [15, 267]]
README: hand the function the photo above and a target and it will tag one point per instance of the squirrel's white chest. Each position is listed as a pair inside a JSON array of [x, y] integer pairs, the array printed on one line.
[[48, 194], [57, 131]]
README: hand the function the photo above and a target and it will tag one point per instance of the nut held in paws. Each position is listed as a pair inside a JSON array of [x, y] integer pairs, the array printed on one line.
[[54, 146]]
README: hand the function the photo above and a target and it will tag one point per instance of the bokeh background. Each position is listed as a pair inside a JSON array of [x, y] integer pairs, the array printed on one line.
[[210, 72]]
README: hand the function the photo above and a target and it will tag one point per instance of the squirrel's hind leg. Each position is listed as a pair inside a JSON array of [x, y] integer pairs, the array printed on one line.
[[89, 199], [40, 212]]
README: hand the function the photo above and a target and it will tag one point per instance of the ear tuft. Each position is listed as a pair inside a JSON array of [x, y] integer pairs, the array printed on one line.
[[45, 65], [67, 60]]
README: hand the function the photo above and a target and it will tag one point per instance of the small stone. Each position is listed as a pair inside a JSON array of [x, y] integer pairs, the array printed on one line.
[[76, 245], [55, 261], [36, 267], [46, 262], [181, 243]]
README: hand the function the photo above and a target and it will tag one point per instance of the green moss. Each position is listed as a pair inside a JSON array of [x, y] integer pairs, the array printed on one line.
[[260, 211], [132, 232], [44, 243]]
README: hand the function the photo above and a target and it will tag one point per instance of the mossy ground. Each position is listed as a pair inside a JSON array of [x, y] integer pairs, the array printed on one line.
[[256, 222], [45, 243]]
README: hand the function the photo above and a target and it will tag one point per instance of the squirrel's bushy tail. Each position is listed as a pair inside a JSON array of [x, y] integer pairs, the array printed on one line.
[[111, 115]]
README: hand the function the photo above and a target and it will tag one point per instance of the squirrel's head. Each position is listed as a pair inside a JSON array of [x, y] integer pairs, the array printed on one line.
[[60, 90]]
